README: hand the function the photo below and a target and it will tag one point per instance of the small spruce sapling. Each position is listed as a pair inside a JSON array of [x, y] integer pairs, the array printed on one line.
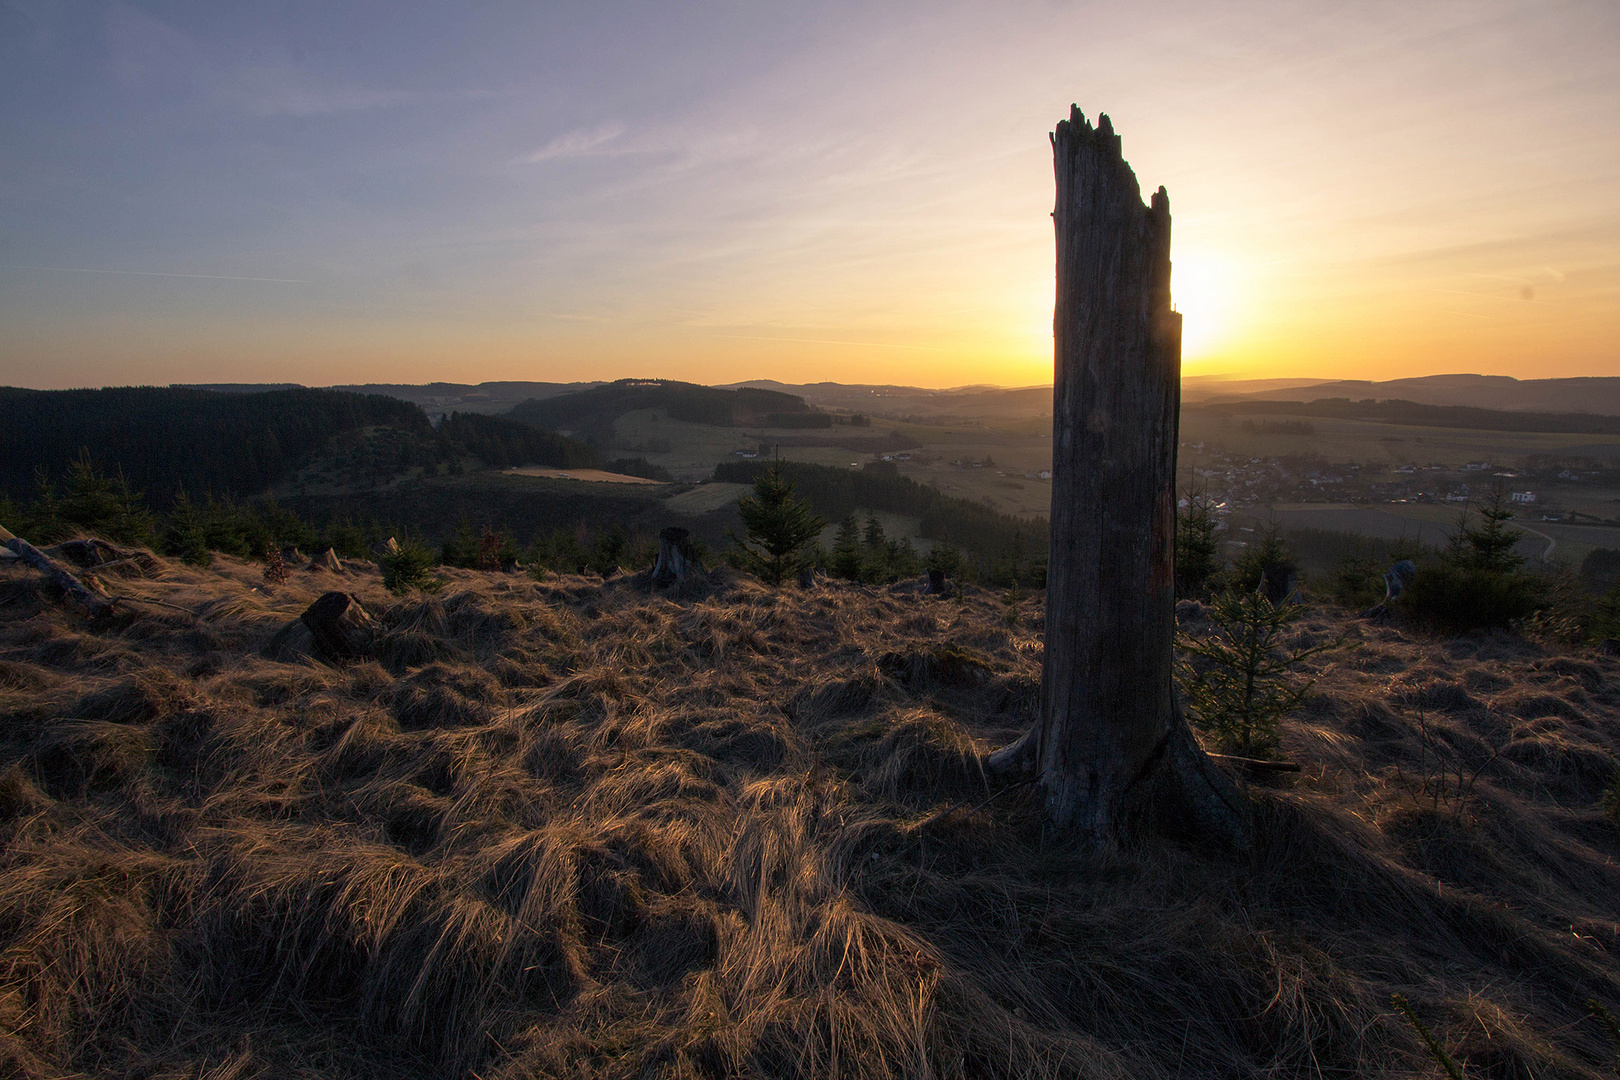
[[1198, 546], [1239, 686], [1480, 581], [876, 557], [946, 561], [1267, 560], [778, 524], [1015, 599], [185, 532], [846, 553], [409, 568]]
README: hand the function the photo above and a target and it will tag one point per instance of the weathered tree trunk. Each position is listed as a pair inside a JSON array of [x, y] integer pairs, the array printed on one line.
[[341, 629], [676, 562], [97, 603], [1110, 747]]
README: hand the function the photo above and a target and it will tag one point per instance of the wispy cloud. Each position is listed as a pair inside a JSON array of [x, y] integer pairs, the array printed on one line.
[[580, 142], [286, 91], [147, 51]]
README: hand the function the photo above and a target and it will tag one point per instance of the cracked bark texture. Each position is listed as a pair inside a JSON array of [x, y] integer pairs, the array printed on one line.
[[1113, 753]]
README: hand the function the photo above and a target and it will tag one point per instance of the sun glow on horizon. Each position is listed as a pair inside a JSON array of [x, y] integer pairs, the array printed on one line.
[[1206, 288]]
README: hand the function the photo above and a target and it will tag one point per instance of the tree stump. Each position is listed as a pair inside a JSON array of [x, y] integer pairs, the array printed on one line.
[[677, 562], [1111, 748], [342, 630], [326, 560]]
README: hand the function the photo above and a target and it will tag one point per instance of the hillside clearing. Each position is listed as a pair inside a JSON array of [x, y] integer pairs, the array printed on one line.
[[562, 828]]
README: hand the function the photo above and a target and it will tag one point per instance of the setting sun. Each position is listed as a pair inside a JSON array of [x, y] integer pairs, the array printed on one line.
[[1204, 287]]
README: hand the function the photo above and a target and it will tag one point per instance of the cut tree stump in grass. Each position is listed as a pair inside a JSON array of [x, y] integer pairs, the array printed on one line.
[[677, 565], [1111, 748], [341, 629]]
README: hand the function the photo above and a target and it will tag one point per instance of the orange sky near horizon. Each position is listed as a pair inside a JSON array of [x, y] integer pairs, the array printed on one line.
[[858, 194]]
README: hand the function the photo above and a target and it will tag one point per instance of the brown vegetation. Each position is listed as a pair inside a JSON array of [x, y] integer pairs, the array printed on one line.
[[563, 828]]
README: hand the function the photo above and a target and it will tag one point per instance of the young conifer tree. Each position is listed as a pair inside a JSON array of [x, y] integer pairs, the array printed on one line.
[[877, 550], [779, 525], [846, 555], [1198, 546]]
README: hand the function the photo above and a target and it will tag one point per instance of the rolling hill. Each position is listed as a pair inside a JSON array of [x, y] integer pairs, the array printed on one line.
[[591, 413]]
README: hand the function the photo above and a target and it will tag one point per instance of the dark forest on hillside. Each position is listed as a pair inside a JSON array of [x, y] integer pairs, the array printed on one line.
[[591, 413], [164, 440]]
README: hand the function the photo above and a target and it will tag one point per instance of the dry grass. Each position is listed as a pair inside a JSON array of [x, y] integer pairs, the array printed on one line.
[[564, 829]]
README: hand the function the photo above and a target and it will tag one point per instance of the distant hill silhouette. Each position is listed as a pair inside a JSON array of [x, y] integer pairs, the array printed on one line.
[[1417, 414], [1593, 394], [436, 398]]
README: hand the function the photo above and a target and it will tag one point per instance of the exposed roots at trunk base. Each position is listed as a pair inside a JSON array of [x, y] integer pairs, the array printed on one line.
[[1178, 791]]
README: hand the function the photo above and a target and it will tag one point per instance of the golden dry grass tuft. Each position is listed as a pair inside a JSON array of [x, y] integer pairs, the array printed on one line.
[[568, 829]]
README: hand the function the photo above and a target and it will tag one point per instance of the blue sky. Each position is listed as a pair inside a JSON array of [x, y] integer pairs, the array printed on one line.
[[345, 192]]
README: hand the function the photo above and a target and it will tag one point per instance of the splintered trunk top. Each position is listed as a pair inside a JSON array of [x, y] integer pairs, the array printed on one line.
[[1107, 705]]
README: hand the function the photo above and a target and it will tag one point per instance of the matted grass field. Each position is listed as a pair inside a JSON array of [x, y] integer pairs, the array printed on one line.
[[562, 828]]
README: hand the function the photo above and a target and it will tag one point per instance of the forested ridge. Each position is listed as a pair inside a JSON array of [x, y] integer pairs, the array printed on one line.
[[169, 439], [591, 413]]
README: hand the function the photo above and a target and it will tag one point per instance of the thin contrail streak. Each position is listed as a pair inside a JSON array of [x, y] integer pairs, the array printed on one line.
[[828, 341], [151, 273]]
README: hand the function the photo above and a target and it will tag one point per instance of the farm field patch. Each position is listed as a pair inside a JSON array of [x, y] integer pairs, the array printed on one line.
[[593, 475]]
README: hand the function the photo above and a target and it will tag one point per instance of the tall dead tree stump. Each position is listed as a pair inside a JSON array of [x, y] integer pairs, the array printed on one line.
[[1111, 748]]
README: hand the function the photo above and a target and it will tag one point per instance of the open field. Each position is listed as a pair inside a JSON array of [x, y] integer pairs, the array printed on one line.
[[1427, 524], [690, 451], [706, 498], [589, 475], [1385, 444], [563, 828], [1433, 524]]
